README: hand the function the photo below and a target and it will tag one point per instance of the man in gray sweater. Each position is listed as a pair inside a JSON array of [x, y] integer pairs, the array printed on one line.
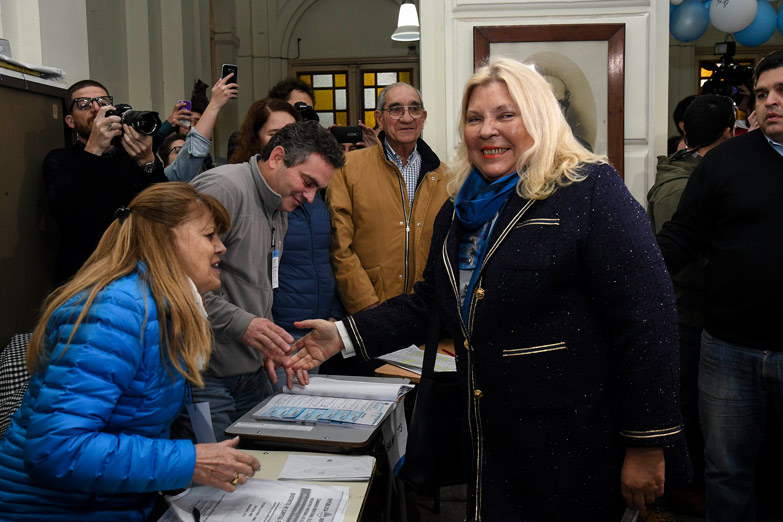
[[296, 163]]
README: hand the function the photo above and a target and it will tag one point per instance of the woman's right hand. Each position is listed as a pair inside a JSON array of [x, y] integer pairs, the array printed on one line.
[[217, 465]]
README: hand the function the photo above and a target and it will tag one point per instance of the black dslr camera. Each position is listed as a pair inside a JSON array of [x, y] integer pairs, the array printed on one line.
[[306, 112], [145, 122], [728, 75], [351, 134]]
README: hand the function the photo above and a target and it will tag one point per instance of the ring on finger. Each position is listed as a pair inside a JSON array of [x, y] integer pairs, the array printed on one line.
[[110, 126], [236, 478]]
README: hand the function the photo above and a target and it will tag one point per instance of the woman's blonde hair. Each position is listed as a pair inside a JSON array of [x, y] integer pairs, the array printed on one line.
[[145, 234], [554, 158]]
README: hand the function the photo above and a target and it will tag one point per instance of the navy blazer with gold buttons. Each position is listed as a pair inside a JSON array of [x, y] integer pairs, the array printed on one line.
[[569, 350]]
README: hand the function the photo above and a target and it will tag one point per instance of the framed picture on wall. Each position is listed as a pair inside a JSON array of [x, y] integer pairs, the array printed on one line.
[[584, 64]]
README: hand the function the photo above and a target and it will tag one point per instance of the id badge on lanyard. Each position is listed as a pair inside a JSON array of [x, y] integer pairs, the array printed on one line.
[[275, 262]]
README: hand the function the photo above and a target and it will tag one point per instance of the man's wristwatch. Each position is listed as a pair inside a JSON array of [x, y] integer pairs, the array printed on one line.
[[149, 168]]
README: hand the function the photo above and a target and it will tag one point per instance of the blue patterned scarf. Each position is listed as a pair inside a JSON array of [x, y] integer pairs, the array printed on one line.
[[477, 203]]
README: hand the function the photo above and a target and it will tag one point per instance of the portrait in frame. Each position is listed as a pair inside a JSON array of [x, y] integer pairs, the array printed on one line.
[[584, 64]]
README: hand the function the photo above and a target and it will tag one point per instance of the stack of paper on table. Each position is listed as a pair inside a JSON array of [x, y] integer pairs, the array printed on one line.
[[339, 468], [260, 500], [412, 359], [334, 401]]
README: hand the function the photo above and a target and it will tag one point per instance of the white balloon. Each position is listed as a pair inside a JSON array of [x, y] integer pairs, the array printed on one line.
[[731, 16], [676, 2]]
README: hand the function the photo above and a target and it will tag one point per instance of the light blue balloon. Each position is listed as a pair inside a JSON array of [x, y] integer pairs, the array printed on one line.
[[707, 5], [689, 21], [760, 29]]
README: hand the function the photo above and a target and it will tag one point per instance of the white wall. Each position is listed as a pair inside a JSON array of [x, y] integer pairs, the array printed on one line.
[[364, 29], [447, 62], [35, 29], [149, 52]]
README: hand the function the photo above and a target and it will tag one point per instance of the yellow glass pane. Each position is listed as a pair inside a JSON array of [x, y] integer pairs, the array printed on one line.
[[341, 118], [369, 79], [369, 119], [405, 77], [705, 73], [324, 101], [378, 92], [339, 80], [308, 79]]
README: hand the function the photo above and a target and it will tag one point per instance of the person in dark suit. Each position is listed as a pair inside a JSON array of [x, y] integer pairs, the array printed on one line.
[[545, 271]]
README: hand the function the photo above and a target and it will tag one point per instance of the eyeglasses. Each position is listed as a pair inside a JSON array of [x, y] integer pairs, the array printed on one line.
[[176, 149], [396, 112], [85, 104]]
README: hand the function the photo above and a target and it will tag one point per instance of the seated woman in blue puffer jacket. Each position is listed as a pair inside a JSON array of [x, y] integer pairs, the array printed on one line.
[[112, 359]]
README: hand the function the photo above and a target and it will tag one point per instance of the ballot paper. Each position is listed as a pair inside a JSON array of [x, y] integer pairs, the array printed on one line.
[[334, 401], [412, 359], [310, 409], [329, 387], [340, 468], [260, 500]]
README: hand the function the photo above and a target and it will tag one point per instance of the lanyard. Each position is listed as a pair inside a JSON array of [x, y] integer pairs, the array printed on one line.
[[275, 262]]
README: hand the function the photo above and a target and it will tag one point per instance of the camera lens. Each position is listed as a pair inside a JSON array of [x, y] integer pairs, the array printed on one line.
[[145, 122]]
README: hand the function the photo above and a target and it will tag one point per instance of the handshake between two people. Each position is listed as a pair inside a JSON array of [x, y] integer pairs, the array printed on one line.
[[280, 350]]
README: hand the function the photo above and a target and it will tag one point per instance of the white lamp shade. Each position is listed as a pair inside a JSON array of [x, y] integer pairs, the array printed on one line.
[[407, 24]]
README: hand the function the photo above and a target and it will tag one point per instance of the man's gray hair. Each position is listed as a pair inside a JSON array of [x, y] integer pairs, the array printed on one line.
[[303, 138], [381, 104]]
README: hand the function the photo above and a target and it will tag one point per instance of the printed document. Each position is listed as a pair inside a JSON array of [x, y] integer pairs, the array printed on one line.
[[262, 500], [340, 468], [412, 359], [328, 387], [331, 410], [334, 401]]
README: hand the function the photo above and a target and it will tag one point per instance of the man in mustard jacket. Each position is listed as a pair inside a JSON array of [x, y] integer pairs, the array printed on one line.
[[383, 204]]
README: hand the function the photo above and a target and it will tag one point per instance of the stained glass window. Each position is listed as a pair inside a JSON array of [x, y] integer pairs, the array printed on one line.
[[345, 94], [331, 96]]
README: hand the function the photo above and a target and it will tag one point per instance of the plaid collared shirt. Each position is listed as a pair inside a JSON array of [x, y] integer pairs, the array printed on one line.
[[410, 172]]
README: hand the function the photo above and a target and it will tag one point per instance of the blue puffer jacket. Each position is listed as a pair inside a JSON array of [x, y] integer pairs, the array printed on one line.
[[306, 289], [91, 439]]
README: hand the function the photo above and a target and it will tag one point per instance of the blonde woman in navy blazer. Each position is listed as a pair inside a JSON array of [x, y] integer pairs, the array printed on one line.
[[544, 270]]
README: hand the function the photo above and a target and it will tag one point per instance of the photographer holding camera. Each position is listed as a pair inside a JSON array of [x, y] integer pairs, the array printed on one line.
[[108, 165]]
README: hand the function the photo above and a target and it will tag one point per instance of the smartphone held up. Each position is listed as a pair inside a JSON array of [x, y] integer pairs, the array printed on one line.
[[186, 107], [229, 68]]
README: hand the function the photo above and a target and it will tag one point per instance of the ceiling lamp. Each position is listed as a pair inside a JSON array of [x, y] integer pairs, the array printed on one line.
[[407, 24]]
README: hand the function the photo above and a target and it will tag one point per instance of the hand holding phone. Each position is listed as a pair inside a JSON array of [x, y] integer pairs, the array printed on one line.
[[186, 107], [228, 69]]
